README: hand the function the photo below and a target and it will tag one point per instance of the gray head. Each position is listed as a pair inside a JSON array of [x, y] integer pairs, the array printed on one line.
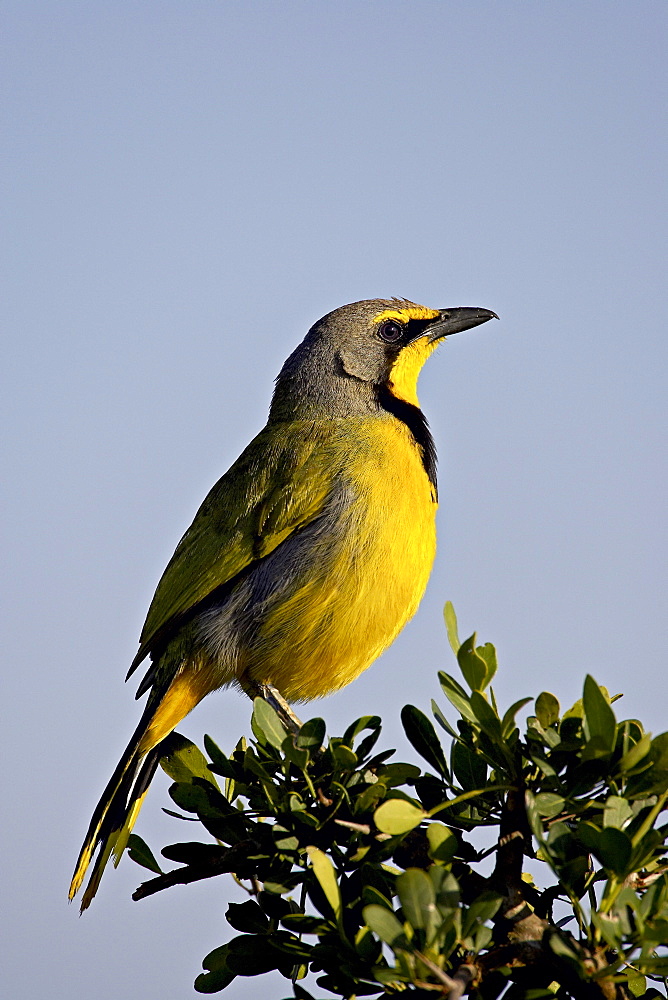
[[352, 352]]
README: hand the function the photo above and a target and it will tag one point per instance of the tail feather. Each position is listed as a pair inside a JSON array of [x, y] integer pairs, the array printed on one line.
[[118, 808], [139, 790], [118, 822], [111, 807]]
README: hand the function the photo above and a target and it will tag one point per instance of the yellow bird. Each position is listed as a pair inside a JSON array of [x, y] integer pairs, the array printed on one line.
[[310, 554]]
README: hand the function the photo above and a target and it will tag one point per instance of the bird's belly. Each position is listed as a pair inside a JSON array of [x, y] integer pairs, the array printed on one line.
[[351, 602]]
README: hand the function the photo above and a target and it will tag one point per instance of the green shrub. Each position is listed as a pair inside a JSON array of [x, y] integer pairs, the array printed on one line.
[[360, 868]]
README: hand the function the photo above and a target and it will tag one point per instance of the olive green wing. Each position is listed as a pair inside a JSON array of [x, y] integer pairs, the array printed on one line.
[[279, 483]]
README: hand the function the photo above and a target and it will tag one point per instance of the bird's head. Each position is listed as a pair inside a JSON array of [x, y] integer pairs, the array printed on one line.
[[365, 346]]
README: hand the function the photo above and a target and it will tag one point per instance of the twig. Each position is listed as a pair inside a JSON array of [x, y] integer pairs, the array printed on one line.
[[462, 979], [435, 969], [360, 827], [229, 861]]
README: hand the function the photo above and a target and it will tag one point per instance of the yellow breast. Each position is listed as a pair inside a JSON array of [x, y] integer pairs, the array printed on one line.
[[345, 614]]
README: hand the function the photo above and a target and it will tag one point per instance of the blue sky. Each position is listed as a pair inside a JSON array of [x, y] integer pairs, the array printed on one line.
[[187, 187]]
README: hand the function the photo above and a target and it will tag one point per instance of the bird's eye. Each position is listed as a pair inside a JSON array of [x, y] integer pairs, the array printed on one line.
[[390, 331]]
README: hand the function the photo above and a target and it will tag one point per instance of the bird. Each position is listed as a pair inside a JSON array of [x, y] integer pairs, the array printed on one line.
[[308, 557]]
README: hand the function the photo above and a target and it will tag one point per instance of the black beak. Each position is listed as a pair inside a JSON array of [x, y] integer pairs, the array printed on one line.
[[456, 320]]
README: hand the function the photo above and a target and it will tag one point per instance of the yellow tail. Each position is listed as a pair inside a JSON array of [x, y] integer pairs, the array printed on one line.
[[118, 808]]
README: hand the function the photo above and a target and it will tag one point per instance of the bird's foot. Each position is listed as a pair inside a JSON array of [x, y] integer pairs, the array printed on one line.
[[273, 697]]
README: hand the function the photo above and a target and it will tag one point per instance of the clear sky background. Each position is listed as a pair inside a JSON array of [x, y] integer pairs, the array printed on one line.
[[187, 187]]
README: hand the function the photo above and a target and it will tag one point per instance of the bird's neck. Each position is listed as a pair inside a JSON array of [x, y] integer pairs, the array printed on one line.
[[328, 397]]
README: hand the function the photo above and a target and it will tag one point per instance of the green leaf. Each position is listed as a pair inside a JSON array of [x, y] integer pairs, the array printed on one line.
[[247, 917], [215, 753], [193, 798], [182, 760], [442, 721], [219, 975], [246, 956], [289, 944], [656, 932], [576, 711], [548, 804], [278, 888], [312, 734], [657, 967], [646, 850], [365, 746], [284, 840], [508, 721], [487, 718], [369, 797], [451, 627], [216, 959], [384, 923], [267, 721], [422, 735], [654, 781], [372, 894], [561, 843], [324, 871], [599, 716], [636, 753], [372, 722], [609, 927], [443, 843], [482, 909], [142, 855], [472, 665], [613, 850], [637, 983], [588, 835], [193, 853], [296, 803], [456, 695], [468, 766], [302, 923], [252, 764], [446, 888], [660, 751], [547, 709], [535, 820], [417, 897], [394, 775], [397, 816], [214, 982], [366, 946], [298, 756], [488, 654], [617, 811], [474, 793], [344, 758]]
